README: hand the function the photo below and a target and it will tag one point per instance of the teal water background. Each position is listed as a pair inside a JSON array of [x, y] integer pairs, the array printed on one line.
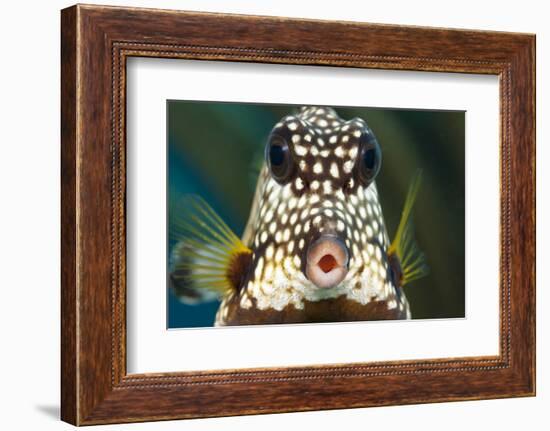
[[214, 150]]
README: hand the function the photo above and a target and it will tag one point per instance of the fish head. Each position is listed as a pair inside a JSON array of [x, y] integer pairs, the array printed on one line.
[[316, 228]]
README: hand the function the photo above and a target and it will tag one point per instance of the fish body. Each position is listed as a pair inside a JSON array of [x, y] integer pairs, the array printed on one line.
[[315, 247]]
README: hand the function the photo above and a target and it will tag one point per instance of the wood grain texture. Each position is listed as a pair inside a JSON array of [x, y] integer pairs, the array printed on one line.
[[96, 42]]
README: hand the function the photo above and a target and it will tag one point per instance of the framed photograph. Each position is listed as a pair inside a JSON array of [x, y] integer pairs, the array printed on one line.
[[329, 214]]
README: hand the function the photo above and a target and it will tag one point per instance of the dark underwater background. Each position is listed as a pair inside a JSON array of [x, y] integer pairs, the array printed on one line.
[[214, 150]]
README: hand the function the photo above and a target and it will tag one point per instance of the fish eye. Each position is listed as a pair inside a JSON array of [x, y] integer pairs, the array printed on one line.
[[369, 158], [279, 159]]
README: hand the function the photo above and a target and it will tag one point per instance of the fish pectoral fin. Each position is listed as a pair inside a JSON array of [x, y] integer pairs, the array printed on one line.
[[412, 262], [209, 260]]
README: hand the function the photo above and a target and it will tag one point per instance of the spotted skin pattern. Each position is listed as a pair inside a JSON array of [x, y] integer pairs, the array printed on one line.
[[325, 195]]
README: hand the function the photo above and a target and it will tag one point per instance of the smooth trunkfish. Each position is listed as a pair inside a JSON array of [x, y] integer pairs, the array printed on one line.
[[315, 247]]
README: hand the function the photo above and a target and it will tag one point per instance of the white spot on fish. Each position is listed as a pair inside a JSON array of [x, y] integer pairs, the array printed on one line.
[[348, 166], [317, 168], [334, 170], [300, 150]]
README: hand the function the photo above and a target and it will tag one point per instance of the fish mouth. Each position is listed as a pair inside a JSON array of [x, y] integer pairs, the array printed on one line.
[[327, 261]]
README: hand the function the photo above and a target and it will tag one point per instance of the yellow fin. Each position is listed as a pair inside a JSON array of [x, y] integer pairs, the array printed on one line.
[[206, 254], [411, 259]]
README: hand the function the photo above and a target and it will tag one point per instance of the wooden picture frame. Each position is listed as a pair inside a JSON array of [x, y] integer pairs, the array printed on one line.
[[96, 41]]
